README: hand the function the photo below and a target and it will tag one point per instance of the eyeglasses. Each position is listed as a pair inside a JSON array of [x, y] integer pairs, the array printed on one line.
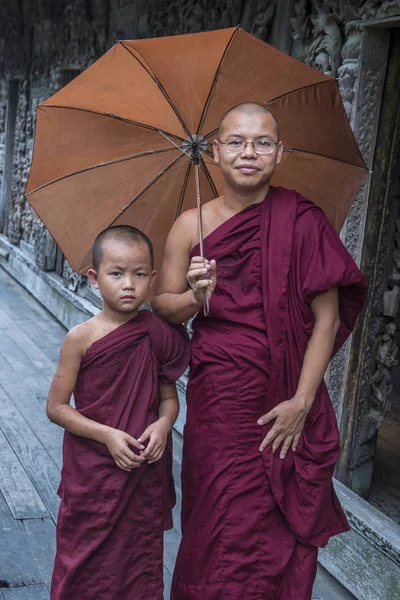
[[261, 146]]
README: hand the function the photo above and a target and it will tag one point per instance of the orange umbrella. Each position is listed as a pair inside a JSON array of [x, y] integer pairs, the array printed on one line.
[[126, 141]]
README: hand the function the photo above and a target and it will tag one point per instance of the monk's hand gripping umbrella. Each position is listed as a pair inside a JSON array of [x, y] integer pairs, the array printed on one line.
[[194, 148], [126, 142]]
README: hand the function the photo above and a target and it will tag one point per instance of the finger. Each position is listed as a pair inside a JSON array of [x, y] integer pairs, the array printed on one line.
[[158, 449], [285, 446], [131, 440], [270, 416], [203, 283], [126, 453], [150, 447], [155, 459], [197, 270], [268, 439], [132, 459], [296, 441], [197, 259], [157, 455], [121, 464], [145, 435], [277, 442]]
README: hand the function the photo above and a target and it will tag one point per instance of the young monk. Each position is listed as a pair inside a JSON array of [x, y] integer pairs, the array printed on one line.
[[116, 492]]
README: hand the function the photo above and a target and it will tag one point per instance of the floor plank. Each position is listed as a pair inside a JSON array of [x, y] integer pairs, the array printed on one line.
[[167, 583], [31, 349], [11, 353], [20, 494], [32, 592], [46, 337], [171, 544], [41, 536], [32, 408], [17, 566], [32, 455]]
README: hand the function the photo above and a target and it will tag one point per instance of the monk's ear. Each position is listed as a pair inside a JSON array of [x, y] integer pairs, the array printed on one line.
[[92, 275], [153, 277], [280, 152], [216, 151]]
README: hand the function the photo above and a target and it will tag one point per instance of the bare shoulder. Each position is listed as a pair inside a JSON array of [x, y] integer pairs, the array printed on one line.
[[186, 223], [80, 337], [182, 233]]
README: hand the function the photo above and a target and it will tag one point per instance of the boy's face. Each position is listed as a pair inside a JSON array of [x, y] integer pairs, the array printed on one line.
[[125, 276]]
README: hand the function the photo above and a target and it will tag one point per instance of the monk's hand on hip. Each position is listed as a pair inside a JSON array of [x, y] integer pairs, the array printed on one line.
[[202, 278], [118, 443], [289, 417]]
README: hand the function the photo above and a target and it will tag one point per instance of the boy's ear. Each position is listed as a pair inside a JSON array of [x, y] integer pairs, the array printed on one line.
[[153, 277], [92, 275]]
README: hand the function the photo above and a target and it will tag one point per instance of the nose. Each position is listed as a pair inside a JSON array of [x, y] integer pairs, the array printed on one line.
[[129, 282], [249, 151]]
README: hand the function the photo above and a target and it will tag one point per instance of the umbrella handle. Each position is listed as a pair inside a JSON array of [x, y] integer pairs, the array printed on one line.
[[200, 227]]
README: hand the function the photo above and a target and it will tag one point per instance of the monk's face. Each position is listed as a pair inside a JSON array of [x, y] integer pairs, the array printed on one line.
[[247, 171], [124, 276]]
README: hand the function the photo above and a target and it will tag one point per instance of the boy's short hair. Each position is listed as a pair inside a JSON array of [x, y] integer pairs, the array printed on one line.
[[121, 233]]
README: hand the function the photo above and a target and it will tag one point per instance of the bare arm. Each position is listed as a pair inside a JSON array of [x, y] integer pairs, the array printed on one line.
[[290, 415], [179, 293], [60, 412], [157, 433], [320, 346]]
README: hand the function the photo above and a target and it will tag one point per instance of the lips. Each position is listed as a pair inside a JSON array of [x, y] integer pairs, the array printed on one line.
[[247, 168], [128, 298]]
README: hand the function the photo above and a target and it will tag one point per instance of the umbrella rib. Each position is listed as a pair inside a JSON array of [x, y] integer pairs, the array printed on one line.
[[176, 145], [209, 178], [146, 187], [183, 190], [304, 87], [112, 116], [104, 164], [215, 80], [343, 162], [266, 104], [160, 85]]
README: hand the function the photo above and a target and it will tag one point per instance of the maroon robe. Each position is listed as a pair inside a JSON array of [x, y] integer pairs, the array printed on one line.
[[252, 522], [111, 522]]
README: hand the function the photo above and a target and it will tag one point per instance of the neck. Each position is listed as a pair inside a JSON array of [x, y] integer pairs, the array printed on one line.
[[236, 200], [117, 317]]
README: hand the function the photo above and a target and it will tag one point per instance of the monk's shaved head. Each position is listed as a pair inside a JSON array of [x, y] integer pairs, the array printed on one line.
[[119, 233], [249, 109]]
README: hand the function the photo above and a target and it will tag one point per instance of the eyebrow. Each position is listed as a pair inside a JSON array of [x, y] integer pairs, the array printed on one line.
[[239, 135]]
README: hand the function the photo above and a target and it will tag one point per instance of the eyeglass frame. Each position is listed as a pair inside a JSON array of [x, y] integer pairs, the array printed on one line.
[[246, 143]]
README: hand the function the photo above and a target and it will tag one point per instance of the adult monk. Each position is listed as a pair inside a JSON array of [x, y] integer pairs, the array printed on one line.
[[261, 439]]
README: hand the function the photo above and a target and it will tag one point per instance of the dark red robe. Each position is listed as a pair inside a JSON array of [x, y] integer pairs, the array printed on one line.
[[252, 522], [111, 522]]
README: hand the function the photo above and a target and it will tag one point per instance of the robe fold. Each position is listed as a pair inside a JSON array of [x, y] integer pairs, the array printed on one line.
[[252, 522], [111, 522]]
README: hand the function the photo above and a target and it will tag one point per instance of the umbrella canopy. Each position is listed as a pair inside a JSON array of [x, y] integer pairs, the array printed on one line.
[[118, 144]]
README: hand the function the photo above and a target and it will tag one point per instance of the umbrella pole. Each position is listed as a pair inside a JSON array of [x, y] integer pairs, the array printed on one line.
[[200, 227]]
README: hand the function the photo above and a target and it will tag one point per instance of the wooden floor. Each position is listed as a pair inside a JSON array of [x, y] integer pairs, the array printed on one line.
[[30, 454]]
